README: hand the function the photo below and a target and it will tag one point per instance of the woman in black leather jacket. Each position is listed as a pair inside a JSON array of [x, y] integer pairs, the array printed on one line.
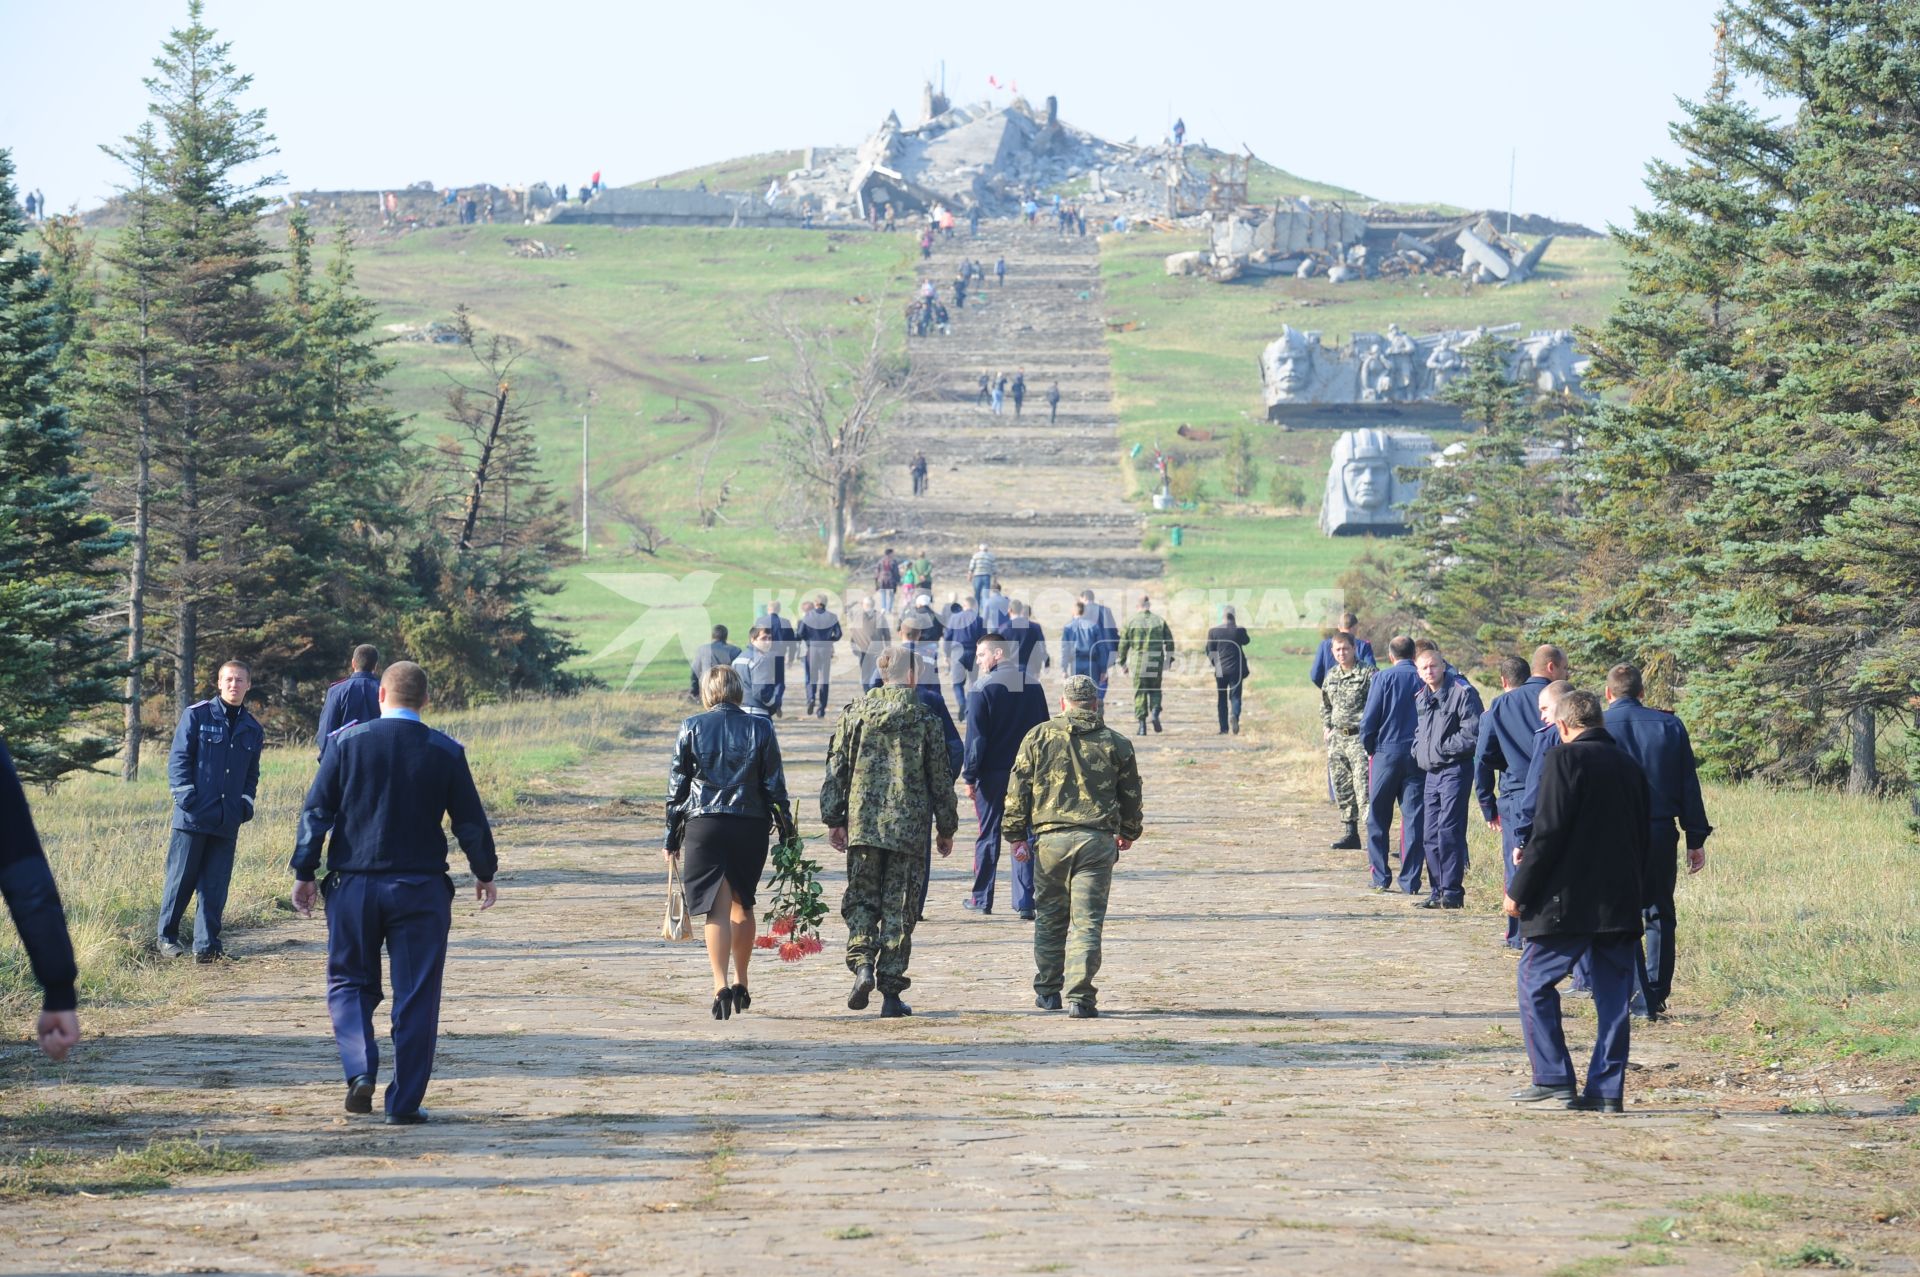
[[725, 793]]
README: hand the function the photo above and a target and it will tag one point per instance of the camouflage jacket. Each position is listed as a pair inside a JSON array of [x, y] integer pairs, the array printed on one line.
[[1148, 640], [1073, 772], [1343, 696], [887, 773]]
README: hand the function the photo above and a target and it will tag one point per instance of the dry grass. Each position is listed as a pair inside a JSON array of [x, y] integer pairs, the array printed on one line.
[[107, 841]]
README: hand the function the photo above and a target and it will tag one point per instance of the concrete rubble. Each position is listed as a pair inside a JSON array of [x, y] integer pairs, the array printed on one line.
[[1304, 238]]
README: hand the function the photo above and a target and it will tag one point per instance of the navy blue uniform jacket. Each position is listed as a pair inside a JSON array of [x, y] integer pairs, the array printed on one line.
[[1506, 744], [963, 632], [1388, 722], [1323, 659], [1658, 741], [997, 719], [929, 694], [383, 789], [214, 770], [32, 899], [354, 699]]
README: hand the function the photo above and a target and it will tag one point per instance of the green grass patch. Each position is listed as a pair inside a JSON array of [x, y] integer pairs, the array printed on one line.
[[119, 1173], [851, 1233]]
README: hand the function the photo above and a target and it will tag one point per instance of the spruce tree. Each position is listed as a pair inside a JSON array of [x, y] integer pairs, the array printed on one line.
[[57, 661]]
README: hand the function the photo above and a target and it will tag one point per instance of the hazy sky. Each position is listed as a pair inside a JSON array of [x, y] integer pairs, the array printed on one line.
[[1404, 101]]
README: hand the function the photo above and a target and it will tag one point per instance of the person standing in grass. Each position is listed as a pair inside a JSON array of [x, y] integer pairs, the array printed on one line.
[[354, 699], [27, 883], [1073, 805], [213, 771]]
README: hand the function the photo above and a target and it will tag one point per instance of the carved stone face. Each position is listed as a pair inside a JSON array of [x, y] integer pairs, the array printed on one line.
[[1368, 482], [1291, 367]]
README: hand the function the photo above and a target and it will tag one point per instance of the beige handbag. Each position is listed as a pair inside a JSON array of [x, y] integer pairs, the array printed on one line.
[[675, 925]]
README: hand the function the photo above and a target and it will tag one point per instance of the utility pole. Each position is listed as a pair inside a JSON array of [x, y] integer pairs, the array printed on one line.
[[1513, 161]]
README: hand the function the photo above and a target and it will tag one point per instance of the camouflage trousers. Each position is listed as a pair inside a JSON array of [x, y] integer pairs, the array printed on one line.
[[1348, 761], [881, 904], [1146, 695], [1072, 874]]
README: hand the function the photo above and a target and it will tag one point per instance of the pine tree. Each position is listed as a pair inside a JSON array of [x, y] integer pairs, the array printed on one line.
[[57, 663]]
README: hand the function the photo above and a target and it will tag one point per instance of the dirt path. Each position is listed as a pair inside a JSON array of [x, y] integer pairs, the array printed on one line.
[[1290, 1075]]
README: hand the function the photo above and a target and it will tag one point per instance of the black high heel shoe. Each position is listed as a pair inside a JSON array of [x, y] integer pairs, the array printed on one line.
[[723, 1004], [741, 998]]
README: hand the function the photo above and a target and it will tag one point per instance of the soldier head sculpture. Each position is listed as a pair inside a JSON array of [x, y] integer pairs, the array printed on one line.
[[1363, 493]]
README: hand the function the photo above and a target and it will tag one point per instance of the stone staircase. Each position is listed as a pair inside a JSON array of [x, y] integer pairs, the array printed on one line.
[[1045, 496]]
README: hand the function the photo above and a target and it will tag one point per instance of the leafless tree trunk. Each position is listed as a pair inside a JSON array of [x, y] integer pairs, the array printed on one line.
[[830, 405], [478, 491]]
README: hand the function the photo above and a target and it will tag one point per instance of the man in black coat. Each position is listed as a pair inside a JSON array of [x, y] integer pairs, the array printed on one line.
[[27, 883], [1577, 892], [1227, 653]]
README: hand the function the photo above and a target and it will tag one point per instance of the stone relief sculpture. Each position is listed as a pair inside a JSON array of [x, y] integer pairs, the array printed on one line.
[[1364, 492], [1297, 370]]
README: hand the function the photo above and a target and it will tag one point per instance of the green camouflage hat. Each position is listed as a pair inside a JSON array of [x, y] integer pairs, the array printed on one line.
[[1079, 689]]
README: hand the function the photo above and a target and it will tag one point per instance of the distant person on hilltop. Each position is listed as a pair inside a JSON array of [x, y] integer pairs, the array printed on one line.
[[1179, 132], [1019, 392], [1000, 271], [1053, 403]]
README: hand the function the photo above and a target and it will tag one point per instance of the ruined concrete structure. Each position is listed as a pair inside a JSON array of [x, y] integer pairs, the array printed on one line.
[[1304, 238], [1395, 376]]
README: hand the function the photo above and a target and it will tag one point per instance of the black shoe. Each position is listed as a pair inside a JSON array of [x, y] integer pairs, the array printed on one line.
[[723, 1004], [416, 1118], [741, 998], [1082, 1011], [1349, 841], [360, 1094], [1236, 727], [1536, 1093], [204, 956], [1156, 722], [862, 988], [1143, 727], [1431, 902], [1593, 1104], [1047, 1001], [1453, 904], [892, 1008], [1026, 915], [172, 949]]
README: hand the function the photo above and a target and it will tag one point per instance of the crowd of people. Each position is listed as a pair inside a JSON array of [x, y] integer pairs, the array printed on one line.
[[1590, 794]]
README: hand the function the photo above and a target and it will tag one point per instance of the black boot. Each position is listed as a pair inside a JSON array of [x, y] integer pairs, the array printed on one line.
[[892, 1008], [1349, 841], [1236, 725], [862, 988], [1143, 727], [1156, 720]]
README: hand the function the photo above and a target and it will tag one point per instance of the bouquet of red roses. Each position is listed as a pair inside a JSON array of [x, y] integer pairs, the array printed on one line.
[[796, 909]]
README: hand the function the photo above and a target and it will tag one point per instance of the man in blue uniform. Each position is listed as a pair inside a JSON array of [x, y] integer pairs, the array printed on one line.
[[783, 646], [1084, 650], [1030, 650], [383, 789], [1108, 628], [1504, 754], [1323, 657], [213, 770], [354, 699], [997, 719], [1447, 726], [1387, 729], [962, 637], [1578, 894], [1658, 741], [819, 631], [34, 902]]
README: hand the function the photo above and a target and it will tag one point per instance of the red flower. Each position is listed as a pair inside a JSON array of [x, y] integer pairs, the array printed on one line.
[[791, 952], [782, 926], [764, 942], [813, 944]]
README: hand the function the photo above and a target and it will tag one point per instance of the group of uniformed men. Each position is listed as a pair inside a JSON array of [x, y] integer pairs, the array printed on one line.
[[1415, 734]]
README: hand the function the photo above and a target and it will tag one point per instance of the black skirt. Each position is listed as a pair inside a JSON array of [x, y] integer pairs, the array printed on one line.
[[729, 847]]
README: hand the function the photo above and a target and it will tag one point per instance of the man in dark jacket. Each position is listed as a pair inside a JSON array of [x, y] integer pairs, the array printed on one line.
[[819, 630], [962, 635], [383, 790], [1227, 653], [1386, 734], [1505, 752], [783, 644], [354, 699], [213, 770], [27, 883], [1658, 741], [997, 718], [718, 652], [1030, 650], [1578, 892], [1447, 718]]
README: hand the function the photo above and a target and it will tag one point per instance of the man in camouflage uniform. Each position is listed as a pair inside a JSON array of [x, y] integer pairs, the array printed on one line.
[[1073, 805], [1343, 699], [887, 778], [1148, 641]]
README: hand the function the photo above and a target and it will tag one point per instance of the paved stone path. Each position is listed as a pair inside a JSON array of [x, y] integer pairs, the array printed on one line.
[[1289, 1076]]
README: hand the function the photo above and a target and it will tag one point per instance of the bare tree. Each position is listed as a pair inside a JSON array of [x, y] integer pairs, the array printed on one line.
[[829, 403]]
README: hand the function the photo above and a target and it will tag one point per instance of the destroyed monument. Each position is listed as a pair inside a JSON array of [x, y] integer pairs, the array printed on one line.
[[1365, 492], [1399, 377]]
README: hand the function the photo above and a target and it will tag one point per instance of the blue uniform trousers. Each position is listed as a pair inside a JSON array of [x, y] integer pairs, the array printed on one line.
[[1545, 962], [989, 804], [1395, 777], [197, 865], [1445, 795], [1506, 806], [1663, 869], [411, 914]]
